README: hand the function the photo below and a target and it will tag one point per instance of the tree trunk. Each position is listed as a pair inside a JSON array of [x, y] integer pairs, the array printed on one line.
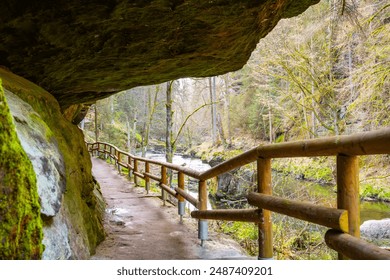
[[220, 130], [128, 132], [169, 123], [96, 124], [145, 133], [213, 110], [135, 131], [270, 122], [227, 109]]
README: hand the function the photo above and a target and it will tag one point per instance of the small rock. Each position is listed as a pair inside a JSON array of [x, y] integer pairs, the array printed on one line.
[[376, 229]]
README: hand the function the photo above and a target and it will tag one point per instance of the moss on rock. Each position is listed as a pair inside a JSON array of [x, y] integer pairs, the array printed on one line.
[[20, 220], [79, 202]]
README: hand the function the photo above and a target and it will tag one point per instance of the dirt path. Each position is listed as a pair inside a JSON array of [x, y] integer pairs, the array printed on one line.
[[139, 227]]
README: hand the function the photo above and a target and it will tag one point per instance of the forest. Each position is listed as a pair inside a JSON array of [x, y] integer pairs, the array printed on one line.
[[323, 73]]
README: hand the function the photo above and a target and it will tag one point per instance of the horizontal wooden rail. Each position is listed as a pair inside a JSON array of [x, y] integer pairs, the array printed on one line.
[[188, 197], [168, 189], [154, 177], [241, 215], [366, 143], [139, 174], [329, 217], [353, 247]]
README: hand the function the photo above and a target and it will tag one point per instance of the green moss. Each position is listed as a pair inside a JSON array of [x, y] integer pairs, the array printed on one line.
[[244, 233], [20, 221], [79, 199]]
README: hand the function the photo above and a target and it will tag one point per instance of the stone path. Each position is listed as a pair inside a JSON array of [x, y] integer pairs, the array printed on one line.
[[139, 227]]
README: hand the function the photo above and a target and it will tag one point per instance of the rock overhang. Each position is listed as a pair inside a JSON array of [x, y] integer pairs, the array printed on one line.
[[82, 51]]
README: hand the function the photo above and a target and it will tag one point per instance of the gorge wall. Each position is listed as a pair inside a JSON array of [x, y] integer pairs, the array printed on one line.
[[69, 212]]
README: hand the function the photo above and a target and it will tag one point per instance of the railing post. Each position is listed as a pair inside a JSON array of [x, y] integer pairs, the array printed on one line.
[[110, 154], [129, 166], [163, 181], [105, 153], [97, 151], [265, 225], [135, 170], [147, 179], [348, 192], [182, 202], [202, 224], [119, 160]]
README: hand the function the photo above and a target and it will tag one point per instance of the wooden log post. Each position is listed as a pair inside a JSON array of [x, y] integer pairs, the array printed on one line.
[[202, 205], [129, 166], [163, 182], [265, 224], [97, 151], [147, 179], [135, 170], [348, 192], [119, 160], [181, 201]]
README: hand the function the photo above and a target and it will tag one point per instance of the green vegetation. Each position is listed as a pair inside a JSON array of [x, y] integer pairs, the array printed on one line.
[[372, 192], [20, 221], [315, 169]]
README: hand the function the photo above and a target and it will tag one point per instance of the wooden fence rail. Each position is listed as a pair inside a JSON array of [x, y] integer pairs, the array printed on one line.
[[344, 221]]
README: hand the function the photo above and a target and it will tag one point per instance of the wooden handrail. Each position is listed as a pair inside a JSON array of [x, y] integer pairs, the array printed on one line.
[[325, 216], [354, 248], [346, 218], [366, 143], [241, 215]]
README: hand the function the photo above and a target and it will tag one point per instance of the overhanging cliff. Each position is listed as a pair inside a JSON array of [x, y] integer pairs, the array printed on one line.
[[81, 51]]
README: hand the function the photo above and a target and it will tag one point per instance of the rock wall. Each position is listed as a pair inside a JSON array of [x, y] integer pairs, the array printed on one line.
[[20, 221], [70, 206]]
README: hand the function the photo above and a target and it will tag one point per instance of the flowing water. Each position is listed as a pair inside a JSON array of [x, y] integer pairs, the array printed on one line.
[[286, 186]]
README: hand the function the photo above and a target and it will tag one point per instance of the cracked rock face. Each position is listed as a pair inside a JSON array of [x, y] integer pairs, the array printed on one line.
[[42, 149], [81, 51]]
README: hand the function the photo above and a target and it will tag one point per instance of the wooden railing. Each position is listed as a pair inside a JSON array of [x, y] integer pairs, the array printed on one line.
[[344, 222]]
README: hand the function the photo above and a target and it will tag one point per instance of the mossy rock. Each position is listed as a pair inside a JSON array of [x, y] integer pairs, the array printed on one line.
[[20, 220], [84, 217]]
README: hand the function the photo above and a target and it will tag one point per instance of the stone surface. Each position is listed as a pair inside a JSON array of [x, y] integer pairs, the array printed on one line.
[[376, 229], [81, 51], [20, 219], [42, 149], [71, 204]]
